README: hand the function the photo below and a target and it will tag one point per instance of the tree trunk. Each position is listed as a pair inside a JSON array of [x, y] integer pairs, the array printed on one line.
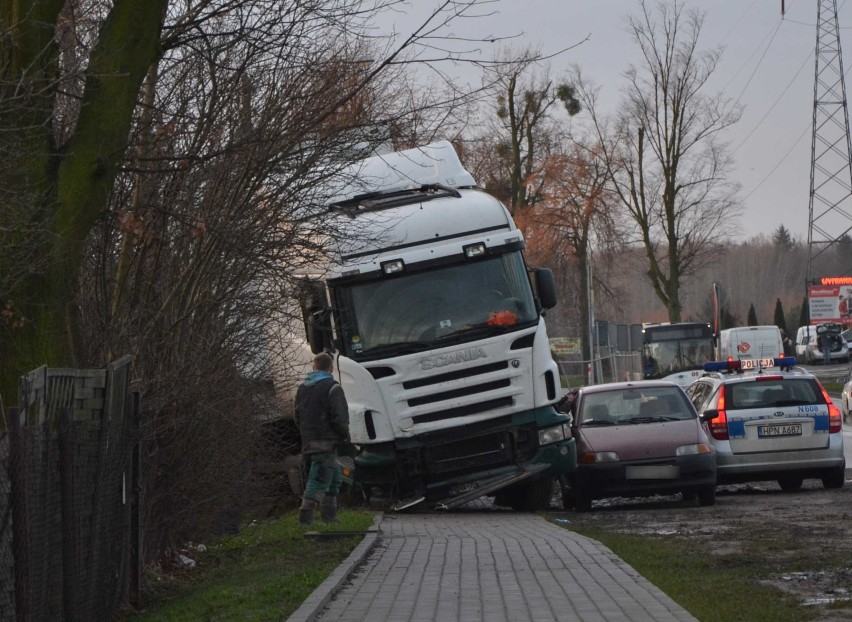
[[67, 188]]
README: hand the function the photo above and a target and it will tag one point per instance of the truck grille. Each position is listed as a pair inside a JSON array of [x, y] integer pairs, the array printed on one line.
[[455, 375], [494, 450], [464, 411]]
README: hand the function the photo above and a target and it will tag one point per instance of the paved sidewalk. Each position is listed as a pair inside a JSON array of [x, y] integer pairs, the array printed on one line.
[[489, 566]]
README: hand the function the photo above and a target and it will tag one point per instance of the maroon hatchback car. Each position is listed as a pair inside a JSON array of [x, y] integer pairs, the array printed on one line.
[[637, 439]]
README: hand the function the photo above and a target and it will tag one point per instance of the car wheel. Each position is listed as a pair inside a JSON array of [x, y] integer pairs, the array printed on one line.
[[835, 478], [790, 483], [582, 502], [707, 496]]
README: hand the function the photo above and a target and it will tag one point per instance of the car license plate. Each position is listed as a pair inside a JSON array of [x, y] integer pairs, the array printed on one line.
[[790, 429], [663, 471]]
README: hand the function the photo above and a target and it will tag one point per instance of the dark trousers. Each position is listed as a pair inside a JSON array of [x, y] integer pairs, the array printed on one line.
[[324, 476]]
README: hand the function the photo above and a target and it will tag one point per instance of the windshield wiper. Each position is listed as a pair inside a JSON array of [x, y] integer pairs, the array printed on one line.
[[480, 330], [597, 422], [652, 419]]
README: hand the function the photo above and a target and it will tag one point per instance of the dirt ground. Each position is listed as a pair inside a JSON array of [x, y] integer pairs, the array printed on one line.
[[803, 539]]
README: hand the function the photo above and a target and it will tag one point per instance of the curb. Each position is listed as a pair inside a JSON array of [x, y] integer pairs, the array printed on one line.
[[326, 590]]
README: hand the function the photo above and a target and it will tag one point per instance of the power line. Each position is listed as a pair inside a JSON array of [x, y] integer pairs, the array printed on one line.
[[748, 60], [760, 62], [808, 58], [780, 162]]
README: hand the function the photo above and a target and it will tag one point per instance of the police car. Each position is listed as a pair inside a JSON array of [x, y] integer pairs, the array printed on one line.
[[770, 420]]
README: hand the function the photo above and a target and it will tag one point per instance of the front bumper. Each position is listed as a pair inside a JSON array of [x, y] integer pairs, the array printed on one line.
[[443, 467], [610, 479]]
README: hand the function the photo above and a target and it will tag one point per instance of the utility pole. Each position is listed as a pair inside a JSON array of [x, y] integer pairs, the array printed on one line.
[[830, 202]]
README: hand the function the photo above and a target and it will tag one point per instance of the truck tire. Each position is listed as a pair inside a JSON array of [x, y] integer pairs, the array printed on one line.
[[567, 494], [532, 497]]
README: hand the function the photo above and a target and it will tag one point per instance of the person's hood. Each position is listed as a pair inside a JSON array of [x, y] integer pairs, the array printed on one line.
[[314, 377]]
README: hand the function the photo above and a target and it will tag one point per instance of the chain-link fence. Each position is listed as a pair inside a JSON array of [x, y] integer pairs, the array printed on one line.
[[68, 482], [7, 561]]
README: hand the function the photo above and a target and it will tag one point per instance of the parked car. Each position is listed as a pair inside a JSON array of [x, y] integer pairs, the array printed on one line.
[[846, 396], [770, 423], [808, 349], [847, 335], [638, 439]]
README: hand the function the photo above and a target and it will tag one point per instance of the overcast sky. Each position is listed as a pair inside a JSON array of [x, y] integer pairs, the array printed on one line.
[[767, 65]]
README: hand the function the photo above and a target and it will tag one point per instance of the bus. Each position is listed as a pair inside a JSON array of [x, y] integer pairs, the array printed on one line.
[[676, 352]]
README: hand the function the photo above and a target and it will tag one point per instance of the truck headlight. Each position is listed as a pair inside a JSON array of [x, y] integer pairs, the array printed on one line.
[[553, 435]]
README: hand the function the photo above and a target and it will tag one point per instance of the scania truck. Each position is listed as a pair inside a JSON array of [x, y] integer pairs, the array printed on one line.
[[436, 324]]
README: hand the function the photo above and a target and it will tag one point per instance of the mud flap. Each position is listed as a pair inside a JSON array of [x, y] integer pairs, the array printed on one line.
[[487, 486]]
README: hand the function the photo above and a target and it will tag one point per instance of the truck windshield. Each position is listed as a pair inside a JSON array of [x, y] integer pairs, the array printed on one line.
[[432, 308]]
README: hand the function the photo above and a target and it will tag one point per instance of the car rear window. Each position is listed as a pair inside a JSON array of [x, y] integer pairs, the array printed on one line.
[[767, 393]]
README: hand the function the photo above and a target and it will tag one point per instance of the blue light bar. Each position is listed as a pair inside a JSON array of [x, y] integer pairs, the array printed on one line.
[[745, 364]]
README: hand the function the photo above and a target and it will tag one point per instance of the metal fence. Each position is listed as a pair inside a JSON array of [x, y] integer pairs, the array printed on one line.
[[7, 560], [68, 481], [606, 367]]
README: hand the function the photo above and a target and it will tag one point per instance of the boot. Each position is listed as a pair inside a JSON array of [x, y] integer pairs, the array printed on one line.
[[328, 509], [306, 511]]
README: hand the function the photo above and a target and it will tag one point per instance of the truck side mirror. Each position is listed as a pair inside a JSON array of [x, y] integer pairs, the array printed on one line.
[[316, 315], [545, 288], [319, 330]]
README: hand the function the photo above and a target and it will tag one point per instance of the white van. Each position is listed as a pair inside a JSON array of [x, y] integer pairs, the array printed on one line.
[[808, 346], [750, 342]]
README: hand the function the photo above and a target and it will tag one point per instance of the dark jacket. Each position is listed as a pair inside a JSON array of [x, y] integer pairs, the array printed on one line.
[[322, 414]]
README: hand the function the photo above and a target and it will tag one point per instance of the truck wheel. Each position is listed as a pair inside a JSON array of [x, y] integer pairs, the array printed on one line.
[[532, 497], [567, 494]]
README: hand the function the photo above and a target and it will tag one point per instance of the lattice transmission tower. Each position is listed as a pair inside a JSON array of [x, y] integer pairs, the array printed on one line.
[[830, 203]]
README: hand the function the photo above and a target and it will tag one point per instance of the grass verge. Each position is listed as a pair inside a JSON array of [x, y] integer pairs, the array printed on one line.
[[718, 587], [263, 573], [832, 386]]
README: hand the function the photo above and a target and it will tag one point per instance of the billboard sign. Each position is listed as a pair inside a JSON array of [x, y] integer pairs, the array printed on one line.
[[830, 303]]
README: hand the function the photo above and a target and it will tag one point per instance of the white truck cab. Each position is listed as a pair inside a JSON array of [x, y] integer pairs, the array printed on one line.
[[441, 345]]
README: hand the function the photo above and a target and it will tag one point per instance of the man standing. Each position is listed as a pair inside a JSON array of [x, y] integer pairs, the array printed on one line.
[[824, 343], [322, 417]]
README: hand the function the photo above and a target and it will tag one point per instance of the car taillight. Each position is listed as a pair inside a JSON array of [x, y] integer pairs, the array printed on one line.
[[719, 424], [835, 419]]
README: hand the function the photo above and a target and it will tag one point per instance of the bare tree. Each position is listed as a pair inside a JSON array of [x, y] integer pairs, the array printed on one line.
[[526, 97], [667, 162], [574, 214], [169, 162]]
